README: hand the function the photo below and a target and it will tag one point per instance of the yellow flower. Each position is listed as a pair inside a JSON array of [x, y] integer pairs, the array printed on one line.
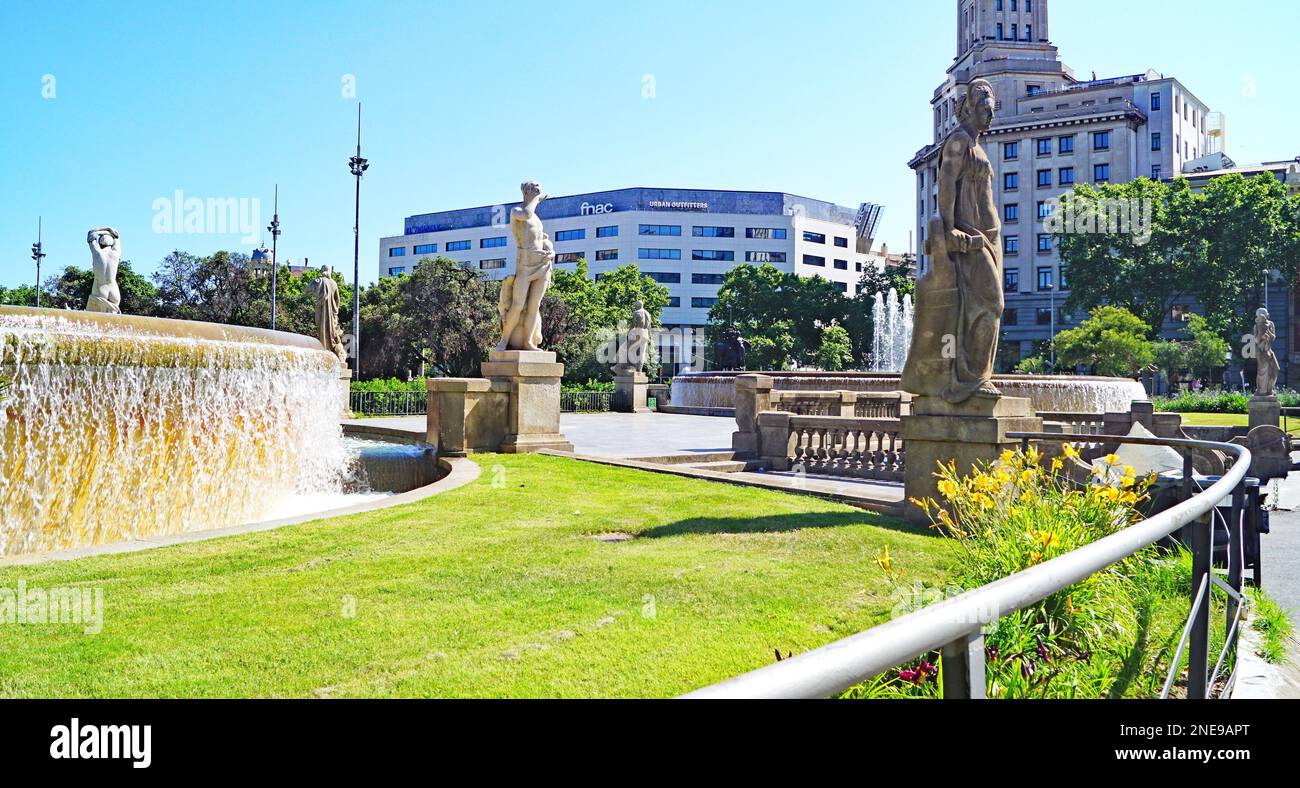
[[1128, 481], [885, 561], [1057, 465], [984, 501], [1111, 459], [1008, 456], [1071, 452], [948, 488], [1046, 539], [1027, 496], [1027, 475]]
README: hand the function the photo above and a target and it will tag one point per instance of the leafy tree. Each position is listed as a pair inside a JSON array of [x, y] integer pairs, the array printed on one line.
[[1111, 342], [1207, 351], [1169, 357], [71, 289], [836, 351], [22, 295], [1034, 365]]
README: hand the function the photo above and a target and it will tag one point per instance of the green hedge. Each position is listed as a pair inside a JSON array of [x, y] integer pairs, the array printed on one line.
[[1218, 401], [389, 384]]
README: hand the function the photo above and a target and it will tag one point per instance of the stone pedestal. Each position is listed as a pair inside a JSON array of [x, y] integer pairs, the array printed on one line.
[[345, 393], [467, 414], [630, 392], [974, 431], [1264, 412], [531, 381], [753, 396]]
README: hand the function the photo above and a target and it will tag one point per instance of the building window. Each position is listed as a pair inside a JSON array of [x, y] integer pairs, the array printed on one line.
[[607, 232], [1045, 147], [1010, 150], [765, 233], [1155, 102], [1065, 282], [659, 254], [1011, 212], [674, 302], [1044, 242], [1101, 173], [1045, 209], [1010, 181], [396, 271], [1066, 176], [713, 255], [665, 278], [1044, 316], [842, 243], [603, 255], [1045, 278], [570, 235], [1000, 35], [811, 259], [426, 248], [492, 243], [1065, 144], [713, 232], [1155, 141], [842, 265], [1011, 244], [814, 238], [1156, 172], [458, 246], [397, 251], [765, 257], [1010, 317], [702, 303], [1044, 179], [500, 262], [1101, 140], [660, 229], [567, 257], [708, 279], [1011, 280]]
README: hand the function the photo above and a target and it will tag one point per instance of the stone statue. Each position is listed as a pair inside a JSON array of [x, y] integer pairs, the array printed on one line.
[[521, 293], [638, 341], [959, 302], [1266, 359], [328, 330], [105, 256]]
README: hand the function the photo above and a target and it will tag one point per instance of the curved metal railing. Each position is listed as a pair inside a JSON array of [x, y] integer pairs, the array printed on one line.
[[955, 626]]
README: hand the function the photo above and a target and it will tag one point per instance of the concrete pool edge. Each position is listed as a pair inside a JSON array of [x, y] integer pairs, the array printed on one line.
[[458, 472]]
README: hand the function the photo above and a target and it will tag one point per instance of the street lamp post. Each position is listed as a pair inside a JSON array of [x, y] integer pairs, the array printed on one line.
[[37, 254], [274, 228], [357, 166]]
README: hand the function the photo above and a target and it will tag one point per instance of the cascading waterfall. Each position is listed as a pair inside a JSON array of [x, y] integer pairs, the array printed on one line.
[[121, 428], [891, 334]]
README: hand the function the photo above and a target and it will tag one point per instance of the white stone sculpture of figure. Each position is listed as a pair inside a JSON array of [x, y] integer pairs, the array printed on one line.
[[638, 341], [328, 330], [1266, 359], [105, 256], [521, 294]]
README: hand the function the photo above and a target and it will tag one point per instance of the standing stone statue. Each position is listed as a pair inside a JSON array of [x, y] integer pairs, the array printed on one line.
[[1266, 359], [638, 342], [959, 303], [521, 293], [328, 330], [105, 256]]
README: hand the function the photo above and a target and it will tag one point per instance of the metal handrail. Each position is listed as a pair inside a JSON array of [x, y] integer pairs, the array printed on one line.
[[955, 626]]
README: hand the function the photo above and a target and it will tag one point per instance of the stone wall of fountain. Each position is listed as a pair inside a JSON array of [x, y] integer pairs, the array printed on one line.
[[119, 427], [1048, 393]]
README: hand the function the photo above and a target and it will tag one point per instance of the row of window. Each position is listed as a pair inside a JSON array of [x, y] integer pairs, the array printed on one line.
[[1011, 280], [759, 233], [1064, 177], [1042, 317], [1011, 243], [820, 238], [1064, 145]]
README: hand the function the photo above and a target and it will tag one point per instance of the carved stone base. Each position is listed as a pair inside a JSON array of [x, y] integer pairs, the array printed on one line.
[[345, 393], [1264, 412], [630, 393], [972, 432], [514, 408]]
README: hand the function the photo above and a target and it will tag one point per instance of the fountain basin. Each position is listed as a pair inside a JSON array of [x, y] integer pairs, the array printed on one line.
[[119, 427], [1047, 393]]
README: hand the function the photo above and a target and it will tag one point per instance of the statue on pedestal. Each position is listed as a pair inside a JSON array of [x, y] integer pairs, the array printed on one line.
[[959, 303], [731, 350], [638, 341], [328, 330], [105, 256], [521, 293], [1265, 359]]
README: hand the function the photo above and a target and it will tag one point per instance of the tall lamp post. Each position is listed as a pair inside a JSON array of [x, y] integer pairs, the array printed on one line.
[[37, 254], [274, 228], [358, 167]]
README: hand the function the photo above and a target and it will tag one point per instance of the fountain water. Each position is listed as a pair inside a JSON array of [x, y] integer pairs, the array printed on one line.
[[891, 331], [118, 427]]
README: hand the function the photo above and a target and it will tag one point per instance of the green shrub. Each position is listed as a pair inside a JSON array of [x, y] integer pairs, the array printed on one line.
[[389, 385], [603, 386], [1217, 401]]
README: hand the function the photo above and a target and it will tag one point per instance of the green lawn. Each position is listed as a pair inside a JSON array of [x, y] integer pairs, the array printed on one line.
[[1230, 420], [495, 589]]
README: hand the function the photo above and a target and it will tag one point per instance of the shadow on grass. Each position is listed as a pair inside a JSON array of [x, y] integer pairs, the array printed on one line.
[[782, 523]]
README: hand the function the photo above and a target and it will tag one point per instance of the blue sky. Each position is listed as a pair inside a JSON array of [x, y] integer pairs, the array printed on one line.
[[463, 100]]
